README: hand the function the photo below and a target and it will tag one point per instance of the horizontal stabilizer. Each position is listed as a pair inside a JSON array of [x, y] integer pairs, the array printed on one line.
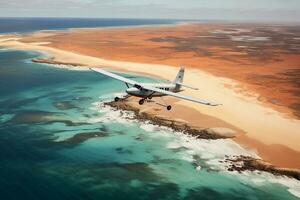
[[154, 89]]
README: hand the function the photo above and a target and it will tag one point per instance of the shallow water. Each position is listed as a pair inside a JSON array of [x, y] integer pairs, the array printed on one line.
[[58, 141]]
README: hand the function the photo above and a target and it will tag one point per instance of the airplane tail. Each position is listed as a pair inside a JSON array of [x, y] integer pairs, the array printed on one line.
[[179, 79]]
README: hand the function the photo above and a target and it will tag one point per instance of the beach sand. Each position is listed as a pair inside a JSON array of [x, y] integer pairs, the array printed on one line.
[[260, 114]]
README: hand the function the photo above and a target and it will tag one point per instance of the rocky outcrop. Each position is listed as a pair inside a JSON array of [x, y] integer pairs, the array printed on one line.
[[176, 125], [236, 163], [53, 62], [246, 163]]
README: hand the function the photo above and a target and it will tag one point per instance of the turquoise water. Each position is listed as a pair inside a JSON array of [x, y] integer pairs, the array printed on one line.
[[58, 141]]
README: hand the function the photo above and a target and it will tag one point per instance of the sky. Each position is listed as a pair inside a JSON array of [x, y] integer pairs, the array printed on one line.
[[254, 10]]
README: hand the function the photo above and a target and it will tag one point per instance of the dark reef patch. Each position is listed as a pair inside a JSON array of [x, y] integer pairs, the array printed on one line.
[[121, 150], [16, 102], [32, 117], [42, 117], [81, 137]]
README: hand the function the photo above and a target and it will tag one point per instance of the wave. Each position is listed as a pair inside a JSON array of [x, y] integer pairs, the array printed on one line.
[[110, 114], [212, 152], [69, 67]]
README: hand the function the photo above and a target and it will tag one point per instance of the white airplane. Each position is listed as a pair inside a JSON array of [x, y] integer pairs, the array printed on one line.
[[149, 90]]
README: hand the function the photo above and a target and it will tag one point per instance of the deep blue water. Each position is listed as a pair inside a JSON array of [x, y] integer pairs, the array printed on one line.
[[12, 25], [58, 141]]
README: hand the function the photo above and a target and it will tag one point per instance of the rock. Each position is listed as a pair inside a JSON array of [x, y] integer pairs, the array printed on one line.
[[51, 61], [176, 124], [246, 163]]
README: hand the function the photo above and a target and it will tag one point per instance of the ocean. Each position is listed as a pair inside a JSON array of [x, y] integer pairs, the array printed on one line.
[[59, 141], [25, 25]]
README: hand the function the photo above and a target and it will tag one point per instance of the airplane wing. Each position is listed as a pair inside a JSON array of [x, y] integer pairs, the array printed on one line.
[[115, 76], [154, 89]]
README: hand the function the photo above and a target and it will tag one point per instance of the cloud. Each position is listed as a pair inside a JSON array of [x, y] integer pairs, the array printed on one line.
[[287, 10]]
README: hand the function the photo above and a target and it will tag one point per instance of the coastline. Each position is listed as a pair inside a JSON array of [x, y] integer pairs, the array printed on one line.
[[274, 124], [236, 163]]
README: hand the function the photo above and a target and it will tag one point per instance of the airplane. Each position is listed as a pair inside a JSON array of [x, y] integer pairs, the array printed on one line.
[[149, 90]]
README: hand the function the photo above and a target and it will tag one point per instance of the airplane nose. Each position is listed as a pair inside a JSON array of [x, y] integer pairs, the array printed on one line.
[[132, 90]]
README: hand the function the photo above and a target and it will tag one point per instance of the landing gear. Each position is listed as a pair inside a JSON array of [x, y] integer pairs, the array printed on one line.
[[117, 99], [142, 101]]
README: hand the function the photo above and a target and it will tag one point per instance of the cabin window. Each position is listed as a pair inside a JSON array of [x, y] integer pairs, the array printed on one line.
[[137, 86]]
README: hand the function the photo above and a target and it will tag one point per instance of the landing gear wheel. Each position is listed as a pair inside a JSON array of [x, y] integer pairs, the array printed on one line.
[[141, 102], [169, 107], [117, 99], [149, 97]]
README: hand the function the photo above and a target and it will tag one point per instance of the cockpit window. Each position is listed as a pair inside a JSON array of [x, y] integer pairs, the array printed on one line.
[[137, 86]]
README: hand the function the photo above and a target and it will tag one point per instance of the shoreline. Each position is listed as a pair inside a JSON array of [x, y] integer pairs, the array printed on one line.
[[245, 127], [174, 124], [236, 163]]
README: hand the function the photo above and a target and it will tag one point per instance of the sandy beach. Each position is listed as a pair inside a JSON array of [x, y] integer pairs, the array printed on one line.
[[268, 128]]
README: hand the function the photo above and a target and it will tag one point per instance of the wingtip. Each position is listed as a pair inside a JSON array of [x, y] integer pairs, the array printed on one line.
[[211, 104]]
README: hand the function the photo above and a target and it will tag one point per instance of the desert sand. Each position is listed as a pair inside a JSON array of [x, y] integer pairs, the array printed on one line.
[[258, 108]]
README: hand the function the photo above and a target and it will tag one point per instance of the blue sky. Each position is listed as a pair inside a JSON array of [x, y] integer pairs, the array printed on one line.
[[262, 10]]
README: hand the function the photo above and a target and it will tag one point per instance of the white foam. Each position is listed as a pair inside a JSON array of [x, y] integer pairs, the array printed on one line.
[[110, 114], [109, 97], [213, 151], [173, 145], [70, 67], [148, 127]]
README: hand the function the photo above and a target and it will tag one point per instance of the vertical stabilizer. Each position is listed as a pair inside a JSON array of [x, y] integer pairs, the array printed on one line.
[[180, 75], [179, 78]]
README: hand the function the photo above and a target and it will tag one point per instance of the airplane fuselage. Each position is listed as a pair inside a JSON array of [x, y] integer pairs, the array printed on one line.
[[143, 93], [148, 90]]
